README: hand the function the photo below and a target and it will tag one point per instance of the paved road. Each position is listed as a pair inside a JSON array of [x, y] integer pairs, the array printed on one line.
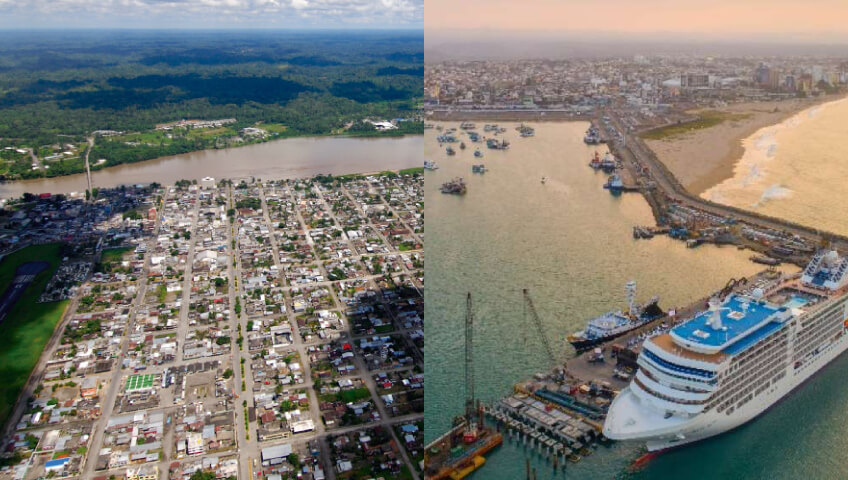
[[107, 402]]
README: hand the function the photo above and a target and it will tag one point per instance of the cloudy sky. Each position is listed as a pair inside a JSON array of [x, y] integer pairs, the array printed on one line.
[[16, 14], [810, 19]]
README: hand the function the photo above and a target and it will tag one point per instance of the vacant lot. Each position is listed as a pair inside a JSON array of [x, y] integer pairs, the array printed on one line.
[[704, 119], [29, 325]]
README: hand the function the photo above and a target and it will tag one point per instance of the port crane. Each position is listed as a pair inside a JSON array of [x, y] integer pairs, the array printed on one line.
[[539, 327], [473, 418]]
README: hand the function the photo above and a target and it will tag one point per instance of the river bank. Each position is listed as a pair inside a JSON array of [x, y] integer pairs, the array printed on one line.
[[706, 157], [286, 158]]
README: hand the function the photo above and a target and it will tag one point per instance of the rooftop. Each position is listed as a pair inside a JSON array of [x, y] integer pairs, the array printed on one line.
[[740, 316]]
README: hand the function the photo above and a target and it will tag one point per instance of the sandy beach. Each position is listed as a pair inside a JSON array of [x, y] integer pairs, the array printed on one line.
[[703, 158]]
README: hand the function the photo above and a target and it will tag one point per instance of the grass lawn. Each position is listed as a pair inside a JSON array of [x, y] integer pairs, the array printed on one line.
[[114, 254], [273, 127], [412, 171], [354, 395], [29, 325], [706, 119]]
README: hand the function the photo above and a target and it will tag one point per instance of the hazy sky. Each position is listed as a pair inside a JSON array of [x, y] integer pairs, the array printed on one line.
[[241, 14], [807, 20]]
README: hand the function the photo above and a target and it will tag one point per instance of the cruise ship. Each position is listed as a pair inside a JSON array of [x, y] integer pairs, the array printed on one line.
[[732, 361]]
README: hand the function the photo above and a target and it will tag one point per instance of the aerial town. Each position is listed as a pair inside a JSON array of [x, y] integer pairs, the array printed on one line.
[[648, 87], [238, 328]]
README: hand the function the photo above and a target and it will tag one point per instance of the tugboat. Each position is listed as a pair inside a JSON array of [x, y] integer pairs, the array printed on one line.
[[450, 150], [478, 153], [428, 165], [614, 184], [455, 186], [479, 168], [615, 324]]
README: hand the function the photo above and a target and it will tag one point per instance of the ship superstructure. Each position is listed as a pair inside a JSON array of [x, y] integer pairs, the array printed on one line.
[[730, 362], [614, 324]]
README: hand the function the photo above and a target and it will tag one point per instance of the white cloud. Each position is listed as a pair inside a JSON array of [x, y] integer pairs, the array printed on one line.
[[211, 13]]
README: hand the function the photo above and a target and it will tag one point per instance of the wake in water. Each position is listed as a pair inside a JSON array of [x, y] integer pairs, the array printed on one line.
[[774, 192]]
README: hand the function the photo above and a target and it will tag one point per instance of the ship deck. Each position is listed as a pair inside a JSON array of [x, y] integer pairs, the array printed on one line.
[[739, 317], [665, 342]]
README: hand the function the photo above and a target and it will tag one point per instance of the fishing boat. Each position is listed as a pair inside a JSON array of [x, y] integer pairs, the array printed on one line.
[[455, 186], [428, 165], [478, 153], [496, 145], [593, 136], [479, 168], [526, 130], [615, 185]]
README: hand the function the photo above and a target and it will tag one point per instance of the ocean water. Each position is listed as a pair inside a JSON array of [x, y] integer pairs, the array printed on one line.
[[569, 241], [796, 170]]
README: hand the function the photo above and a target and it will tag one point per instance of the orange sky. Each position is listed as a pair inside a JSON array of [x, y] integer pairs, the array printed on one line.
[[709, 17]]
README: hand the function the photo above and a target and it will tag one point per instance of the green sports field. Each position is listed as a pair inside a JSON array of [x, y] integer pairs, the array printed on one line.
[[29, 325], [139, 382]]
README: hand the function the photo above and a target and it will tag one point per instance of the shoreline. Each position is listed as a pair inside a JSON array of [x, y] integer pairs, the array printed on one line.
[[699, 168], [507, 116], [297, 158], [94, 169]]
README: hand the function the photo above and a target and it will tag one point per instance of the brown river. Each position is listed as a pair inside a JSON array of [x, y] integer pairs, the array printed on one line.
[[287, 158]]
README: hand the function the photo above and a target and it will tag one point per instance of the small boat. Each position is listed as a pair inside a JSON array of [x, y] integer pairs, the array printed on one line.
[[544, 179], [450, 151], [496, 145], [479, 168], [455, 186], [428, 165], [478, 153], [765, 260], [593, 136], [462, 145], [614, 184], [526, 131]]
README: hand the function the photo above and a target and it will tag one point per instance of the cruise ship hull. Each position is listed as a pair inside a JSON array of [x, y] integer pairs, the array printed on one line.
[[714, 423]]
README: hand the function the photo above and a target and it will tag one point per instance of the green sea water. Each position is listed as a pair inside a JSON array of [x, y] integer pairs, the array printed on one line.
[[569, 241]]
